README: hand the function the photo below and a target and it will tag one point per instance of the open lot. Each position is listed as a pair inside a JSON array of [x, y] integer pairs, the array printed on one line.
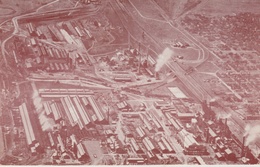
[[93, 149], [224, 7], [187, 53], [118, 30], [24, 6], [148, 10], [57, 5], [208, 67], [2, 147], [5, 11]]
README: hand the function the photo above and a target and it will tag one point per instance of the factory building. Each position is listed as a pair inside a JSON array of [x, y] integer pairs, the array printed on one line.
[[158, 125], [68, 112], [64, 92], [29, 128], [122, 105], [67, 37], [109, 132], [211, 136], [127, 132], [185, 115], [91, 113], [51, 140], [156, 114], [82, 153], [47, 108], [151, 61], [168, 146], [140, 132], [73, 111], [97, 109], [138, 160], [187, 138], [123, 79], [151, 155], [135, 146], [159, 104], [149, 145], [191, 146], [208, 112], [162, 147], [200, 160], [81, 111], [56, 112], [115, 145], [174, 122], [230, 155], [146, 122], [61, 146]]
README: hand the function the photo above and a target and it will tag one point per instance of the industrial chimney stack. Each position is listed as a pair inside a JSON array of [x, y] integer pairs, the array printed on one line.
[[139, 58], [156, 75], [207, 135], [226, 127], [243, 147]]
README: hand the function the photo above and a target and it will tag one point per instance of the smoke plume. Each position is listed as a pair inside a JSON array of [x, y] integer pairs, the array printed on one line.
[[251, 134], [227, 116], [163, 58], [46, 123], [37, 101], [222, 116]]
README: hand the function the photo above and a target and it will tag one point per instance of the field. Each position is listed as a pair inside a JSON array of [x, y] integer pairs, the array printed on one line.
[[210, 82], [102, 50], [53, 85], [187, 53], [118, 31], [176, 8], [57, 5], [224, 7], [24, 6], [10, 8], [1, 143], [6, 11], [161, 31], [208, 67], [148, 10]]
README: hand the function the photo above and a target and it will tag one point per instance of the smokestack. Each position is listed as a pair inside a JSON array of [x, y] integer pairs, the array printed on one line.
[[156, 75], [225, 125], [139, 61], [243, 146], [207, 135]]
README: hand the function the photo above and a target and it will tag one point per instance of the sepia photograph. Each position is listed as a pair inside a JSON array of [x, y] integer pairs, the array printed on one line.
[[129, 82]]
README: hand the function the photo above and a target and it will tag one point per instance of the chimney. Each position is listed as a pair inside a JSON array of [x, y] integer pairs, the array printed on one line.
[[226, 127], [207, 135], [139, 54], [156, 75], [243, 146]]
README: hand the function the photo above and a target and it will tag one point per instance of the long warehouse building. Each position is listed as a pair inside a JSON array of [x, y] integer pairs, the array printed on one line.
[[96, 109], [82, 112], [90, 112], [56, 112], [67, 111], [28, 128], [73, 112]]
